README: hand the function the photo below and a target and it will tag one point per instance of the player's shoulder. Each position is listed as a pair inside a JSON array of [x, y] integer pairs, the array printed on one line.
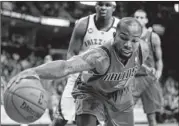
[[105, 49], [153, 33], [101, 59], [82, 24], [101, 50], [82, 21], [155, 38]]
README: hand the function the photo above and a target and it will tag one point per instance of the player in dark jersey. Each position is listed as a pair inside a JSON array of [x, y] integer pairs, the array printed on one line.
[[146, 87], [89, 31], [102, 90]]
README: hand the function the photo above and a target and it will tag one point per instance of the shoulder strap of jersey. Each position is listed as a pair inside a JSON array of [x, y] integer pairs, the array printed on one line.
[[151, 42], [88, 17], [140, 55], [91, 23], [116, 22]]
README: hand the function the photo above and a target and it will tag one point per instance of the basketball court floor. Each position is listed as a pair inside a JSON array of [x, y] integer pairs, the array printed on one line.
[[139, 117]]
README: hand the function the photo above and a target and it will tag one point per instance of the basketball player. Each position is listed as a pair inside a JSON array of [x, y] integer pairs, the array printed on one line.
[[102, 92], [90, 31], [145, 87]]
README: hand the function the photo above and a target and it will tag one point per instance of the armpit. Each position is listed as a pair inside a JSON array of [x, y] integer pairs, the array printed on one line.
[[97, 58]]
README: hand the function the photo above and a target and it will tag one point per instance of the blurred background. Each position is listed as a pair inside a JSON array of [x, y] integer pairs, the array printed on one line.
[[36, 32]]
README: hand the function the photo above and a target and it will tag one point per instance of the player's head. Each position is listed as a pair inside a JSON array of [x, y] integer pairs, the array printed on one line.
[[48, 58], [105, 9], [141, 16], [127, 36]]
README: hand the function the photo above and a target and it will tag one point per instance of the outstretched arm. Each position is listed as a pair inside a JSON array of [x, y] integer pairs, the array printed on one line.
[[93, 58], [61, 68]]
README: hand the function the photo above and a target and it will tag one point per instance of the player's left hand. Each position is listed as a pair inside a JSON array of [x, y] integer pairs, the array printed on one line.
[[157, 75], [151, 71], [26, 74]]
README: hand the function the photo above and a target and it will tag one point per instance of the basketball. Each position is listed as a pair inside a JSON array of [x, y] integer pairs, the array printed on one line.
[[26, 101]]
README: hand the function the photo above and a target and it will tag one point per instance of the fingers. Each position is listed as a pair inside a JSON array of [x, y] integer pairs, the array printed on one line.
[[151, 71], [28, 74]]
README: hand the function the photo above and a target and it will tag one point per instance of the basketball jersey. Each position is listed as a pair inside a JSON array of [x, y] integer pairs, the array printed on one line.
[[94, 37], [150, 58], [118, 76]]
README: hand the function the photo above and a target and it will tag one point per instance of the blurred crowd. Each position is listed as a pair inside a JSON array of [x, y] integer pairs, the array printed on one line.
[[16, 56], [68, 10]]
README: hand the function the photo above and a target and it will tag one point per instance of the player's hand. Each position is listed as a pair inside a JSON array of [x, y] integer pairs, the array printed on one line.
[[151, 71], [157, 75], [26, 74]]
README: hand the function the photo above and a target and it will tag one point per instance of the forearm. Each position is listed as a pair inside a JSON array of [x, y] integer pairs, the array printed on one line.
[[159, 67], [51, 70], [62, 68]]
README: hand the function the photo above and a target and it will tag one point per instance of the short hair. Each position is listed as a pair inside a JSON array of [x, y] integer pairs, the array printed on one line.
[[128, 21], [112, 2], [142, 10]]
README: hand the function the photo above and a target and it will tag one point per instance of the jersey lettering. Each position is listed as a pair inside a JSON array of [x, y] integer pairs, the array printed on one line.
[[91, 42], [122, 75]]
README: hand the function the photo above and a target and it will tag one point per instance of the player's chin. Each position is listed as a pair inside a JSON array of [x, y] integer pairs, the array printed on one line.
[[103, 15], [127, 55]]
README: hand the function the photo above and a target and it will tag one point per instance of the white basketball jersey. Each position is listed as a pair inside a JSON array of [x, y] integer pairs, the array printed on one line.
[[94, 37]]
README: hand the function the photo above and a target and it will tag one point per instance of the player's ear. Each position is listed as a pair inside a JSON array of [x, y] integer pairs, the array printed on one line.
[[146, 21], [114, 8]]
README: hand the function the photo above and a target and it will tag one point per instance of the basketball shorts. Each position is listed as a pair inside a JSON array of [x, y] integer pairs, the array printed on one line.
[[114, 109], [67, 101], [150, 93]]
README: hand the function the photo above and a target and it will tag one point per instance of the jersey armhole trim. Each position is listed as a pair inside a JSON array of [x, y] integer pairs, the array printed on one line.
[[151, 43], [86, 27], [141, 55]]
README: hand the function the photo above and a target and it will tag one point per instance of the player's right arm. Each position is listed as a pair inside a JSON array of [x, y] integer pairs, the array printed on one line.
[[77, 37], [92, 59]]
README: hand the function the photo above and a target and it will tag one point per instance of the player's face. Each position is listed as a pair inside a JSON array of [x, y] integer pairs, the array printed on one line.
[[48, 59], [104, 9], [141, 17], [127, 40]]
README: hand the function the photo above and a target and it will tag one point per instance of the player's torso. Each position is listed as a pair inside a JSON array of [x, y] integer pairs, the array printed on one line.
[[94, 37], [118, 76]]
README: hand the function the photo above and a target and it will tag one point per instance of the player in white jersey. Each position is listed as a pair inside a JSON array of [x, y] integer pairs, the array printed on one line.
[[89, 31]]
